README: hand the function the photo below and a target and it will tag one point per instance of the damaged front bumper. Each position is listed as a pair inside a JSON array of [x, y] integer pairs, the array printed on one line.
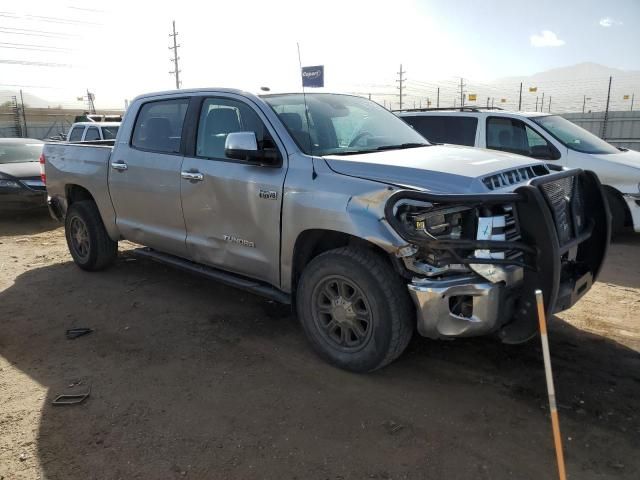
[[563, 231], [436, 318]]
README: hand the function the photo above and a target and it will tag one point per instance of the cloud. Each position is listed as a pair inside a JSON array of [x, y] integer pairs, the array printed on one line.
[[609, 22], [546, 39]]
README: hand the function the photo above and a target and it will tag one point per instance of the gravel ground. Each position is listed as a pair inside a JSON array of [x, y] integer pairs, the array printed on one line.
[[191, 379]]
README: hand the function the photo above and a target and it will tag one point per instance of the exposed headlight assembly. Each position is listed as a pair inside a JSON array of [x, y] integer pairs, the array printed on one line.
[[454, 231], [439, 222]]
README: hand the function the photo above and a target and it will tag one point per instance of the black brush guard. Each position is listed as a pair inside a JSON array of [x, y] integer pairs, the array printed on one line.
[[565, 228]]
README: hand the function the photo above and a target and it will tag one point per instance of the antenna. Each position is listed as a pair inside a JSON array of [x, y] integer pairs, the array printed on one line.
[[306, 110]]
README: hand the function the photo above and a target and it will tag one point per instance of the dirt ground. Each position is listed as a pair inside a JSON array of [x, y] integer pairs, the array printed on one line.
[[191, 379]]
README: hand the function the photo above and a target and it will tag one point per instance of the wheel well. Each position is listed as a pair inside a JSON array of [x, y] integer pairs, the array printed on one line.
[[312, 243], [76, 193], [617, 196]]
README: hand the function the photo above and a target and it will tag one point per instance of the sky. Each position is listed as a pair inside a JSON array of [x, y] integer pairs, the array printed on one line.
[[119, 49]]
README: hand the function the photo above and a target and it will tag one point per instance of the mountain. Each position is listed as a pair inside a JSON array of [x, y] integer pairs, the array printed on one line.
[[30, 100], [572, 87]]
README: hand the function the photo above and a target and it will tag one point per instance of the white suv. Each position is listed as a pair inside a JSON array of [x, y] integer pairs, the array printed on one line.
[[93, 131], [546, 137]]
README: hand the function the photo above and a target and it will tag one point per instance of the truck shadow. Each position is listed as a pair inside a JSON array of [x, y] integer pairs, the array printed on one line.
[[26, 223], [623, 262], [190, 378]]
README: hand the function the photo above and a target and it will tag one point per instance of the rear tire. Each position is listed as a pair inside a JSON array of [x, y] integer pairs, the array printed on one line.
[[89, 244], [355, 309]]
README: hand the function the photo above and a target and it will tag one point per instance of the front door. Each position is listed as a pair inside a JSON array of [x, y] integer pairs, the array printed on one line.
[[232, 208], [144, 178], [512, 135]]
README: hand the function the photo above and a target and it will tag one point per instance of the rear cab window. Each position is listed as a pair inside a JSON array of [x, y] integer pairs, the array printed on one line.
[[109, 133], [158, 127], [76, 133], [92, 134], [445, 129]]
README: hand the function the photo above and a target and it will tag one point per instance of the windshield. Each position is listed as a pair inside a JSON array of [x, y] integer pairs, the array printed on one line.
[[16, 153], [573, 136], [342, 124], [109, 133]]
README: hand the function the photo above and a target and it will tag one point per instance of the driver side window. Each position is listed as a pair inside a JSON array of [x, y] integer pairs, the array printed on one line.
[[511, 135], [218, 118]]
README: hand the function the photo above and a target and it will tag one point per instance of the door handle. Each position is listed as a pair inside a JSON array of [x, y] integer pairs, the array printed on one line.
[[193, 176], [119, 166]]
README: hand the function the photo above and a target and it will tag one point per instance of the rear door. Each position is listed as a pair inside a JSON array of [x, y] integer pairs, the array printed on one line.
[[144, 178], [515, 136], [232, 213]]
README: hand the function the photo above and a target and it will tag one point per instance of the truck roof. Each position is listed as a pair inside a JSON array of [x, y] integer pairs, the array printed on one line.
[[97, 124], [471, 112]]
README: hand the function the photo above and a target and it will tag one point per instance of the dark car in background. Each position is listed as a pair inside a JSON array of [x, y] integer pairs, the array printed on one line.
[[21, 185]]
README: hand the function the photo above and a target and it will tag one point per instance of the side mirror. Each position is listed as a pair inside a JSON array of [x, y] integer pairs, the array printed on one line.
[[244, 146], [542, 152]]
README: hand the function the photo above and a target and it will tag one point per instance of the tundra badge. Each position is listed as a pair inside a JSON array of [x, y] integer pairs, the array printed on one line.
[[268, 194]]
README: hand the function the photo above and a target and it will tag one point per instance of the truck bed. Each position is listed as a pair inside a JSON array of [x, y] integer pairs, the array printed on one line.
[[82, 165]]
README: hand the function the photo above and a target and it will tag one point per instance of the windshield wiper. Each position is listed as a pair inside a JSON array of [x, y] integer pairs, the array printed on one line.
[[383, 147], [402, 146]]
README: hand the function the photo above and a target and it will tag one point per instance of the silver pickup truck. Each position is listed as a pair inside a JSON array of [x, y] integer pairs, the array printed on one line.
[[331, 203]]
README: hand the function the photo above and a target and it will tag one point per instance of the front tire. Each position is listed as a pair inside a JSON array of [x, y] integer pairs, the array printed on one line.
[[89, 244], [355, 309], [618, 213]]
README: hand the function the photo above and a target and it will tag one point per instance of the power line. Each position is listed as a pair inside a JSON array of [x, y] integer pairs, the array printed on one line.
[[34, 64], [176, 70]]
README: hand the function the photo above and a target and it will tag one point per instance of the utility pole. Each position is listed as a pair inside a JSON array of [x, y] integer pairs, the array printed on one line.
[[584, 102], [549, 103], [520, 101], [438, 99], [536, 103], [461, 92], [493, 101], [401, 81], [26, 130], [542, 103], [176, 70], [91, 106], [606, 113], [633, 96], [488, 102]]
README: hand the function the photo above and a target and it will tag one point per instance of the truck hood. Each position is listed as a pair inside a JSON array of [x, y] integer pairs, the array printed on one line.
[[629, 158], [21, 169], [618, 170], [437, 168]]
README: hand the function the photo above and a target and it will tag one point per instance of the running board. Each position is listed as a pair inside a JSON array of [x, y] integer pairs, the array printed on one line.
[[221, 276]]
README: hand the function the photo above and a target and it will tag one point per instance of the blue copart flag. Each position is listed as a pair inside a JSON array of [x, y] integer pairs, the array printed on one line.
[[313, 76]]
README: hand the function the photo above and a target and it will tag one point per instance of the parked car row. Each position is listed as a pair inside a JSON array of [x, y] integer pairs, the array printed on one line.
[[21, 186], [333, 204], [551, 138]]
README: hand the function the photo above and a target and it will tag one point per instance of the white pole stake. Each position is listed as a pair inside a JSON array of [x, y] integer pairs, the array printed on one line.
[[555, 423]]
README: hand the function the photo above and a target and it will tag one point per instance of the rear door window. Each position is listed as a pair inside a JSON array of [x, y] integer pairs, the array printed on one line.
[[92, 134], [445, 128], [76, 134], [109, 133], [159, 124]]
